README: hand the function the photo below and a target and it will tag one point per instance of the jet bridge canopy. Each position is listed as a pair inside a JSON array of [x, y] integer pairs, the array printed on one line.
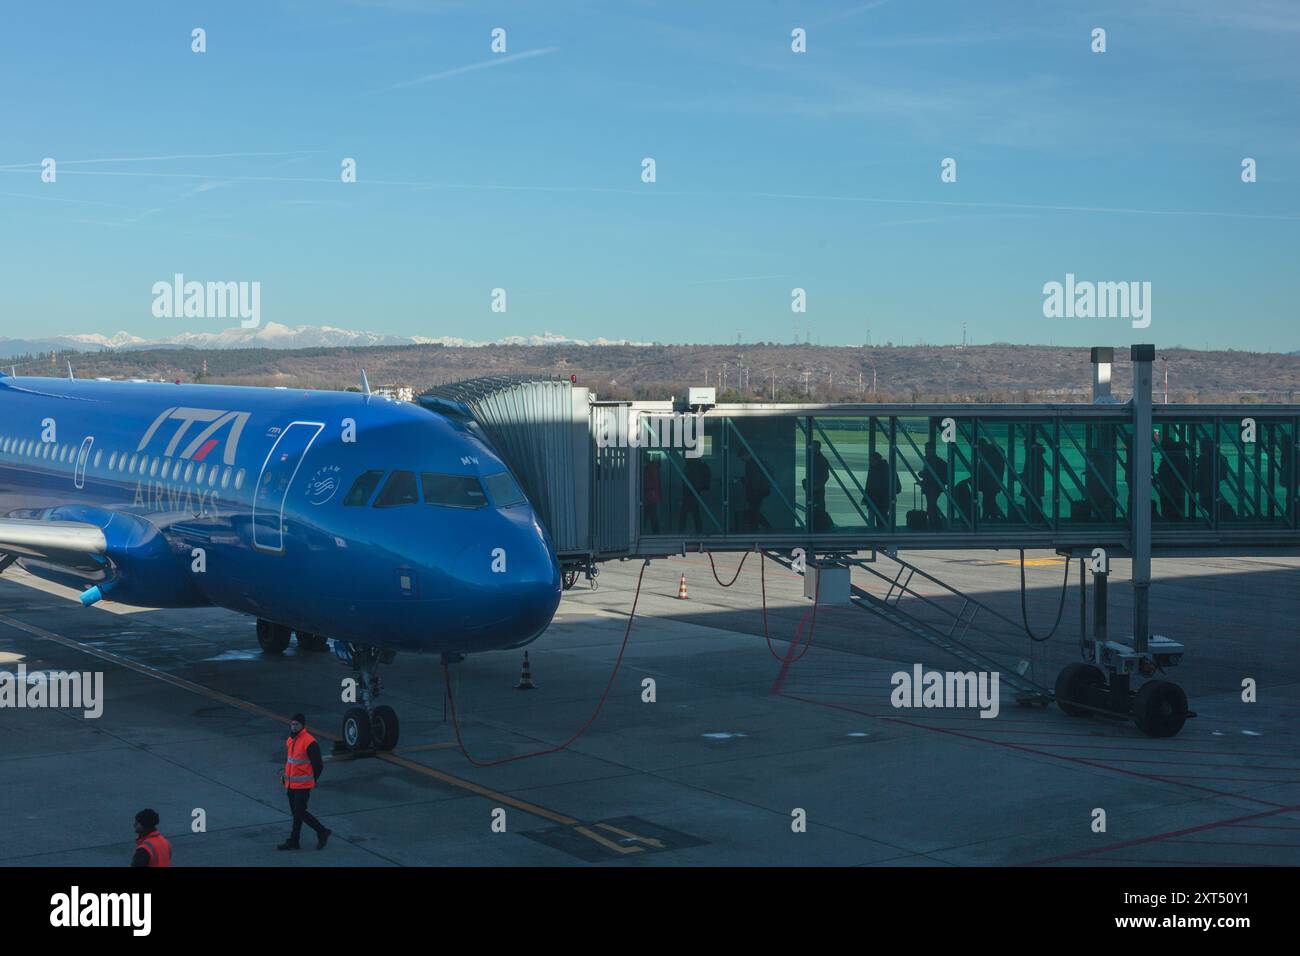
[[856, 477], [541, 428]]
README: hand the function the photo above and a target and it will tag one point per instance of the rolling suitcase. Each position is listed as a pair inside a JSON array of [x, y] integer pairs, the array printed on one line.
[[917, 520]]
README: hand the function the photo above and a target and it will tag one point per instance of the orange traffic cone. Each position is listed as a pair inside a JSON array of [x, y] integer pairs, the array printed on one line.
[[681, 590], [526, 678]]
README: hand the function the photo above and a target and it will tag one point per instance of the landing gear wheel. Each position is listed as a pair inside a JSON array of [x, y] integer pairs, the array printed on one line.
[[570, 579], [273, 638], [311, 642], [1160, 708], [383, 728], [356, 729], [1071, 684]]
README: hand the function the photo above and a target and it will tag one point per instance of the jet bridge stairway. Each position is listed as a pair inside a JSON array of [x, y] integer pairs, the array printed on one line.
[[950, 642]]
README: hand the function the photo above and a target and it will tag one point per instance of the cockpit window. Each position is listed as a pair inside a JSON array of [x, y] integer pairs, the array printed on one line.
[[362, 489], [400, 489], [453, 491], [504, 490]]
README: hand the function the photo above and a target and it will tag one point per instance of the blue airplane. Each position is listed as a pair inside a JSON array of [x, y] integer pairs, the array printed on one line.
[[343, 515]]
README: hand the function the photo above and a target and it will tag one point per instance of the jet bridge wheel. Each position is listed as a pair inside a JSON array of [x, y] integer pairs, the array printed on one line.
[[1160, 708], [357, 729], [273, 638], [570, 578], [383, 728], [1072, 684]]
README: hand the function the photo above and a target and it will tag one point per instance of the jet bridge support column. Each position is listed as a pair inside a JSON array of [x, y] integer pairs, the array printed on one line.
[[1159, 707], [1140, 544]]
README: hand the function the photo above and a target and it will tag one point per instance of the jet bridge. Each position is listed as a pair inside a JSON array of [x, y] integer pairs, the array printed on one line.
[[656, 478]]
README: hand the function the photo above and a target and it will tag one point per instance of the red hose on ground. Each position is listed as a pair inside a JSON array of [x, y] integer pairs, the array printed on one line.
[[455, 720], [762, 573], [788, 660]]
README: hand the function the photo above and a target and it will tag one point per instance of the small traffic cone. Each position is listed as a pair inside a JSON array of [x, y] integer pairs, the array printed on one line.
[[681, 590], [526, 678]]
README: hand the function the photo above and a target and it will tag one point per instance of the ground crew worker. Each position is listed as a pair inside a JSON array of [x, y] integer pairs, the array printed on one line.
[[302, 768], [151, 847]]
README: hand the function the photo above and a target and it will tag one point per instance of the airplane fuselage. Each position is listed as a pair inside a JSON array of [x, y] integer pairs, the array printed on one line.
[[342, 514]]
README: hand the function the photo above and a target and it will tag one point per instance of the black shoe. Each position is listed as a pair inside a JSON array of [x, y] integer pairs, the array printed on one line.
[[288, 845], [322, 839]]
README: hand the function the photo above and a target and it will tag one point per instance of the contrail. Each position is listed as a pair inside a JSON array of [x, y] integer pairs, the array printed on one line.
[[495, 61], [800, 197], [150, 159], [737, 279]]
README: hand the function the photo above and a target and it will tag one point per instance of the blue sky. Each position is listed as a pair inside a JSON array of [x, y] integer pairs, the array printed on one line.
[[774, 169]]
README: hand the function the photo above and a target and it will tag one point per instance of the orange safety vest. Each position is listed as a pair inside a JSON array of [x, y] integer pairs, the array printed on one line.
[[156, 845], [297, 768]]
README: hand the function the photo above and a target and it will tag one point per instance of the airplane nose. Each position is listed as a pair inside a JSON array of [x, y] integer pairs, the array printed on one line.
[[511, 583]]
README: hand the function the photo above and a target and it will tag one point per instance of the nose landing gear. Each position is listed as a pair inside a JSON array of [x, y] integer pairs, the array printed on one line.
[[367, 728]]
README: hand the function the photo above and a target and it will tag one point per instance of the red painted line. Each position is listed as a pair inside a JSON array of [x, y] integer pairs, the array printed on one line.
[[1047, 753], [1164, 836], [1158, 750], [999, 721], [1126, 859], [1184, 776], [790, 656], [1233, 843], [1263, 826], [1193, 763]]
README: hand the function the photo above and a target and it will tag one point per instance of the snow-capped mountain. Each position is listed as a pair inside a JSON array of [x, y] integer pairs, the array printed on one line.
[[275, 336]]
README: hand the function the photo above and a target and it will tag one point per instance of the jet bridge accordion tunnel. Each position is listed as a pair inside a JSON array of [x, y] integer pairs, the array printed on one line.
[[611, 481]]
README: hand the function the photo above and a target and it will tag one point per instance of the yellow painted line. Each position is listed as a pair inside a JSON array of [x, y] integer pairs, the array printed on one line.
[[252, 708], [16, 575], [610, 844], [509, 801], [649, 841], [442, 746], [1032, 562]]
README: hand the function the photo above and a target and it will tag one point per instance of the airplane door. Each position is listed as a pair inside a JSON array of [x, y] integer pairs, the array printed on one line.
[[278, 472], [79, 476]]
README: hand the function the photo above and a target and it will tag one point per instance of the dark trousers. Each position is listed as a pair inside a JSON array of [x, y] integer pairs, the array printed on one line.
[[690, 508], [298, 807]]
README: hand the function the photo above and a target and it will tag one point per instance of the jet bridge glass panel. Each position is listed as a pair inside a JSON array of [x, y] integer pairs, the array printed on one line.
[[1054, 475]]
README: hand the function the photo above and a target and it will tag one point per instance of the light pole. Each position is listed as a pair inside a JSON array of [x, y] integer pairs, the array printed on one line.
[[1165, 361]]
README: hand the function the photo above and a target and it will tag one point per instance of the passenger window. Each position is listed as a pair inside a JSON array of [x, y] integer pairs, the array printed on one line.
[[400, 489], [504, 490], [453, 491], [362, 489]]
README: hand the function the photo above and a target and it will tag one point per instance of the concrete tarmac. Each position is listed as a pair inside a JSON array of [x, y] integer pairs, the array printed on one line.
[[751, 753]]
